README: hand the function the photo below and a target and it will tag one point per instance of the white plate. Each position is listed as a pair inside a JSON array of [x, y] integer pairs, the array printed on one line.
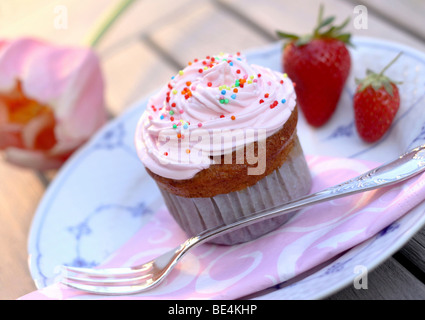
[[103, 195]]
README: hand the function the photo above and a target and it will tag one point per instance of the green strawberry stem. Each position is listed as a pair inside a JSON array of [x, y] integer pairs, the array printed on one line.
[[333, 32], [378, 80], [390, 64]]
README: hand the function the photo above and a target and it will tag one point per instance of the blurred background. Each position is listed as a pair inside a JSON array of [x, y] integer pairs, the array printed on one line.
[[149, 42]]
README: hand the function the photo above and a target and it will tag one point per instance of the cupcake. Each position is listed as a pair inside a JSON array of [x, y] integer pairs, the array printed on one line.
[[220, 141]]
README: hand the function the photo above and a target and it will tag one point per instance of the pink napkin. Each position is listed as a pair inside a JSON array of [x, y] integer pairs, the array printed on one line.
[[315, 235]]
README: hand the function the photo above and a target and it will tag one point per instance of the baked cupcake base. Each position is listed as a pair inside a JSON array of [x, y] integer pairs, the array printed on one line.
[[290, 181]]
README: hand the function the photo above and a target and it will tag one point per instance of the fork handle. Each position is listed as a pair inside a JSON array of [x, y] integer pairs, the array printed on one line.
[[400, 169]]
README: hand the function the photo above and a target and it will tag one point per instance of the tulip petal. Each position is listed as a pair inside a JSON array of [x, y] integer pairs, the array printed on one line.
[[10, 136], [14, 58], [70, 81], [32, 159], [35, 128], [4, 113]]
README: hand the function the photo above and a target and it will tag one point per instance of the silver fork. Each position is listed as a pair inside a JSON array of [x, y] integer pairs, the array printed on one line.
[[137, 279]]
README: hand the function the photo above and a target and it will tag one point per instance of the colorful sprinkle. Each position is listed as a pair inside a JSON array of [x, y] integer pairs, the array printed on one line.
[[274, 104], [233, 117], [233, 96], [199, 125], [283, 100]]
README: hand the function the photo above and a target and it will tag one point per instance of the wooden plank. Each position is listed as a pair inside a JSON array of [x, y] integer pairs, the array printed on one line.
[[205, 29], [300, 17], [389, 281], [141, 18], [20, 192], [132, 72], [66, 22], [413, 254], [406, 14]]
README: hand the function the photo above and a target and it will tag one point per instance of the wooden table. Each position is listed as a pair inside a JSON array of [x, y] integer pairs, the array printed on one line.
[[150, 42]]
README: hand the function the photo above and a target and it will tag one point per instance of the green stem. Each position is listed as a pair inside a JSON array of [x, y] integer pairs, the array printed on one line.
[[390, 64], [108, 21], [319, 21]]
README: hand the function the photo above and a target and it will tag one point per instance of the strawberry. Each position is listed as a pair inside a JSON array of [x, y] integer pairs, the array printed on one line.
[[319, 64], [376, 102]]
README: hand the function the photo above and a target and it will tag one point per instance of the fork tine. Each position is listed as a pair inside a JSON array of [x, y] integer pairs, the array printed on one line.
[[128, 280], [110, 281], [109, 290], [108, 273]]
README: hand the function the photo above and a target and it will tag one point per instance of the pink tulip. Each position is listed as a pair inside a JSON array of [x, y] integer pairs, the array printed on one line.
[[51, 101]]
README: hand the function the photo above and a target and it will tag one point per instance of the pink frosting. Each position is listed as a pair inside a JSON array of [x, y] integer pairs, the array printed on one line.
[[217, 93]]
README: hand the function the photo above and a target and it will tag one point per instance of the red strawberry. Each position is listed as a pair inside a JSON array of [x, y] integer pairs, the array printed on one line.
[[319, 64], [376, 103]]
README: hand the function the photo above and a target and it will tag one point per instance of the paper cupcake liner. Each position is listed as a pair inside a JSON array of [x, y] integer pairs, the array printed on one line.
[[288, 182]]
